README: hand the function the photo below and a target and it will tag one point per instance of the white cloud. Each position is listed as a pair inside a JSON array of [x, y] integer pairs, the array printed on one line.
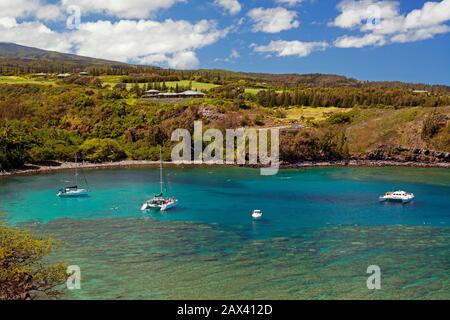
[[431, 14], [184, 60], [17, 8], [232, 6], [382, 23], [233, 56], [289, 2], [420, 34], [354, 13], [49, 12], [273, 20], [24, 8], [128, 9], [34, 34], [359, 42], [291, 48], [145, 41], [7, 22]]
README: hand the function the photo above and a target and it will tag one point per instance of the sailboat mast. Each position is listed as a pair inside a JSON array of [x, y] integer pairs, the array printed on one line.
[[161, 169], [76, 169]]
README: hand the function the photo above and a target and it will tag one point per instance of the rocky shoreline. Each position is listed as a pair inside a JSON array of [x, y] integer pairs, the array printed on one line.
[[367, 163], [60, 166]]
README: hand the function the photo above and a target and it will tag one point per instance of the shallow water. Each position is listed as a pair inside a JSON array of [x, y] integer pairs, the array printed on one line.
[[322, 228]]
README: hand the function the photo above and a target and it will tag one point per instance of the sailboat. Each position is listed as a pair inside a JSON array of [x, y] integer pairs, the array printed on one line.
[[159, 201], [74, 191]]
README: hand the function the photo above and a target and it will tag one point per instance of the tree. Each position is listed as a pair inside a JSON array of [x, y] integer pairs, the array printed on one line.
[[15, 140], [23, 272], [102, 150]]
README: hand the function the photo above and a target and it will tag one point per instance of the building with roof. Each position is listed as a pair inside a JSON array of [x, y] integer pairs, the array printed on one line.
[[63, 75], [151, 93], [193, 94], [173, 95], [40, 75]]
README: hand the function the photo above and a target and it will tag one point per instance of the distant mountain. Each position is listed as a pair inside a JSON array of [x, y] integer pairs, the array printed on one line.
[[18, 59], [14, 51]]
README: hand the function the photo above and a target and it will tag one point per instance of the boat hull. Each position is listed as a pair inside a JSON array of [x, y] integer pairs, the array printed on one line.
[[158, 207], [168, 206], [404, 201], [73, 194]]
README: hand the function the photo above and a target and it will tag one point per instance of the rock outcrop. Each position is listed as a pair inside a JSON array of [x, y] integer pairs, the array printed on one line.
[[397, 153]]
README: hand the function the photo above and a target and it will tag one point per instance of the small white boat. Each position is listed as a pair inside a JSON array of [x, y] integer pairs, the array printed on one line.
[[257, 214], [72, 192], [75, 191], [397, 196], [159, 202]]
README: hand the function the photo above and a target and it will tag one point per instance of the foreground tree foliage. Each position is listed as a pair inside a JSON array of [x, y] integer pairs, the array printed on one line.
[[23, 272]]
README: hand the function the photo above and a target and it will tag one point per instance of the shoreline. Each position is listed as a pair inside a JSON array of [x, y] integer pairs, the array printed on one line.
[[34, 169]]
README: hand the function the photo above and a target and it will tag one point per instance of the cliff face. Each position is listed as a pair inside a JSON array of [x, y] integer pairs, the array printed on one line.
[[410, 134], [397, 153]]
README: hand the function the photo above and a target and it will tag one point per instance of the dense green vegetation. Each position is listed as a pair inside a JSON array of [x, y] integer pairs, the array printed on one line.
[[102, 117], [351, 97], [42, 123]]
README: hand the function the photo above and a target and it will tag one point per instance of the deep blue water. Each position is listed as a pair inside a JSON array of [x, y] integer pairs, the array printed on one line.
[[291, 200]]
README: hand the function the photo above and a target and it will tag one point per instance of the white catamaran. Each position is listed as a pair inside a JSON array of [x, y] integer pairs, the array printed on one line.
[[74, 191], [159, 202], [397, 196]]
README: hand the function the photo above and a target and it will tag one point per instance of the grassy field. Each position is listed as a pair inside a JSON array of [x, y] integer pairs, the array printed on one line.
[[312, 113], [252, 90], [113, 80], [25, 80], [401, 127]]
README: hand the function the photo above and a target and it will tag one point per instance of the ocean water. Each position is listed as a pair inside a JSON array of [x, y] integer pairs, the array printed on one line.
[[322, 228]]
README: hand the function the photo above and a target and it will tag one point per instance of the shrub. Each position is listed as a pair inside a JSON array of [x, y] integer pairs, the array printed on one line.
[[259, 120], [102, 150], [432, 125], [84, 102], [52, 150], [22, 269], [340, 118], [280, 113]]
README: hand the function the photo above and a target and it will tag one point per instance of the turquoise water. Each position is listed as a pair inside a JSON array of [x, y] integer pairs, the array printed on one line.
[[322, 227]]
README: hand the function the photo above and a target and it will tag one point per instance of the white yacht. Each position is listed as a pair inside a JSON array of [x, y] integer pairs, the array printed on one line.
[[159, 201], [397, 196], [74, 191], [257, 214]]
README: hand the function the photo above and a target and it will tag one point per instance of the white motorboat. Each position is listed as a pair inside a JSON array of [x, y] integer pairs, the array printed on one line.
[[397, 196], [74, 191], [257, 214], [159, 201]]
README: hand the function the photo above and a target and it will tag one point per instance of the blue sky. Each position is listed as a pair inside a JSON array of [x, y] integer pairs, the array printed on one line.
[[366, 39]]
